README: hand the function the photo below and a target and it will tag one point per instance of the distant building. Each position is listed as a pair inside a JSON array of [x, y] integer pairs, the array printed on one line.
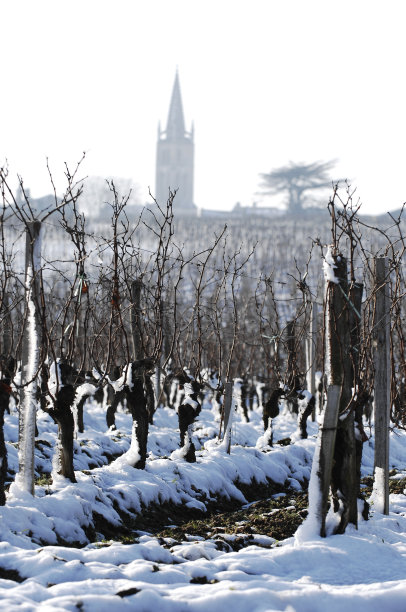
[[175, 157], [38, 205], [257, 211]]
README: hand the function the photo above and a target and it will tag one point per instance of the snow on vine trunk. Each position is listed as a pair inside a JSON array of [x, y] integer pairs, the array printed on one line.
[[85, 390], [30, 362], [325, 454], [25, 478]]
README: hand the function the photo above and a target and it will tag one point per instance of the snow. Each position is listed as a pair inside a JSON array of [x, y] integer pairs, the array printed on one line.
[[85, 389], [378, 492], [132, 456], [188, 390], [310, 528], [55, 378], [329, 266], [126, 379], [363, 570], [264, 441]]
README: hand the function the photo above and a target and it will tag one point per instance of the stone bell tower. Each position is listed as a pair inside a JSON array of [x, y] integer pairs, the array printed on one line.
[[175, 157]]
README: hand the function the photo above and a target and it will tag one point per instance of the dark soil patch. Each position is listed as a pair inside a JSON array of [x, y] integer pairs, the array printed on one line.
[[128, 592], [397, 485], [156, 518], [276, 512], [284, 442], [202, 580], [10, 574], [277, 518]]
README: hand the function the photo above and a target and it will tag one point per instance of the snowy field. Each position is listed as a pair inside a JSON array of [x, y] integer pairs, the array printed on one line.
[[363, 570]]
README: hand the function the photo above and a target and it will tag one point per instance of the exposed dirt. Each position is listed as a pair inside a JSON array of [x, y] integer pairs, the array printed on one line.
[[273, 510], [276, 517], [10, 574], [397, 485], [276, 512]]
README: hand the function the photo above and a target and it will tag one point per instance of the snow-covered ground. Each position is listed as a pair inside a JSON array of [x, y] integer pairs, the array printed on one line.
[[364, 569]]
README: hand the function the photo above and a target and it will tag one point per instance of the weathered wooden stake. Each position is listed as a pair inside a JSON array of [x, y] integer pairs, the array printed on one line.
[[136, 319], [81, 334], [7, 367], [228, 396], [291, 368], [82, 352], [158, 370], [355, 296], [7, 327], [310, 353], [381, 346], [158, 388]]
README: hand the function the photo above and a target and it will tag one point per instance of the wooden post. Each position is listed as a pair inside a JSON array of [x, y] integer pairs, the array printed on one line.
[[7, 368], [292, 379], [7, 327], [310, 353], [135, 319], [31, 346], [228, 396], [310, 341], [81, 332], [291, 365], [381, 346], [355, 296], [158, 370], [158, 390]]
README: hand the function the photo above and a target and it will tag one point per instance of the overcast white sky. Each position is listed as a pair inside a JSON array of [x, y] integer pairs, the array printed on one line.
[[265, 81]]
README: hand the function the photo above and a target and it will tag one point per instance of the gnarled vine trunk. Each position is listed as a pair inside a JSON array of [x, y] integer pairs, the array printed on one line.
[[63, 416], [138, 407]]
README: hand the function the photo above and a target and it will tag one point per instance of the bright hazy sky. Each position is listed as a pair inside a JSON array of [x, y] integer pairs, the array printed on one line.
[[265, 82]]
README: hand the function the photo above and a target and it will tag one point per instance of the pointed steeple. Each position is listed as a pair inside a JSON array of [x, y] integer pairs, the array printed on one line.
[[175, 127], [175, 157]]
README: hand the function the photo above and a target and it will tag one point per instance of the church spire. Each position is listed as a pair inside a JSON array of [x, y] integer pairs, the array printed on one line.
[[175, 127], [175, 157]]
